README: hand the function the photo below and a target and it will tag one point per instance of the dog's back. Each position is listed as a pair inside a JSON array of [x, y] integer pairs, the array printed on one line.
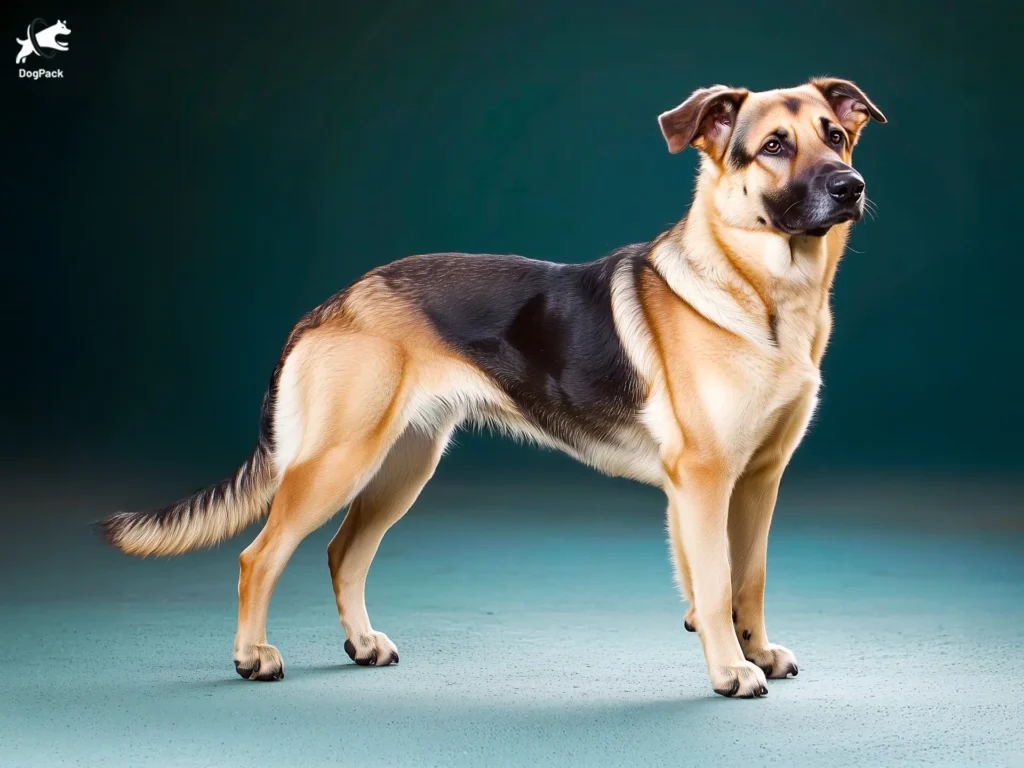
[[543, 332]]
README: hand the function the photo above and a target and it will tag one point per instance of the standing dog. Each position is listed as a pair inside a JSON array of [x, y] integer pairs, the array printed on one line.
[[690, 362]]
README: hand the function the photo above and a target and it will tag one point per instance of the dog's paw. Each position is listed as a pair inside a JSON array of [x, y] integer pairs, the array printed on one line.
[[374, 649], [741, 681], [777, 661], [260, 662]]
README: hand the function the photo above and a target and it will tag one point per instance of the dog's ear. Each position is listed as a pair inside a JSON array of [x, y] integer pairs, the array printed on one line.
[[850, 103], [705, 120]]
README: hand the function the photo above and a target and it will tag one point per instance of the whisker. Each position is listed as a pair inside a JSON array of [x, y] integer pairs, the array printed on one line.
[[795, 203]]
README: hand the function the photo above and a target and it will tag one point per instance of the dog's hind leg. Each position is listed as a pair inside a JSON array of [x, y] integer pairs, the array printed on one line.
[[340, 406], [384, 500]]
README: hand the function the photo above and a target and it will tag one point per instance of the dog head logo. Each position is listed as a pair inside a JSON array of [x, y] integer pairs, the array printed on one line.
[[42, 40]]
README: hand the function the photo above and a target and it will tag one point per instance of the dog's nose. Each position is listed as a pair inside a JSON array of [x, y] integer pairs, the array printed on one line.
[[845, 186]]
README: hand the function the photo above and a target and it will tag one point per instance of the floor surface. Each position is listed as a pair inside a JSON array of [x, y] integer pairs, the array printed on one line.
[[537, 626]]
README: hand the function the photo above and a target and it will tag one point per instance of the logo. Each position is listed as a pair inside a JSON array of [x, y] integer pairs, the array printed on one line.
[[42, 41]]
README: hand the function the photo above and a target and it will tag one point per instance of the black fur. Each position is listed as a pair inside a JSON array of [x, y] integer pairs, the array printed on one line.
[[773, 328], [542, 331], [804, 206], [738, 156], [785, 205]]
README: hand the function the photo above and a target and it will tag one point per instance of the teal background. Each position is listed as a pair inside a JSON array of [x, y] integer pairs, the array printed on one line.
[[206, 173]]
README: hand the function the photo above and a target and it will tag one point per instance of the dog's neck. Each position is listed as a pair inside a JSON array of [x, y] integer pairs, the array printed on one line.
[[756, 283]]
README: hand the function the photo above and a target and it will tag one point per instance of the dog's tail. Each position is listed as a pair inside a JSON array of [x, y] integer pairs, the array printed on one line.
[[208, 515]]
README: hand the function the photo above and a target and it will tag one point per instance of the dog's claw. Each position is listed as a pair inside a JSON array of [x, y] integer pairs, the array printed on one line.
[[266, 664], [775, 661], [366, 661], [729, 691], [741, 681], [382, 653], [277, 674]]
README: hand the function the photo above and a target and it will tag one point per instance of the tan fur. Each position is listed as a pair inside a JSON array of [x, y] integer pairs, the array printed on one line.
[[202, 521], [726, 326], [387, 497], [727, 404], [741, 400]]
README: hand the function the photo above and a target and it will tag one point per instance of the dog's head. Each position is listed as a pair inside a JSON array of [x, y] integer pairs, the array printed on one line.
[[778, 160]]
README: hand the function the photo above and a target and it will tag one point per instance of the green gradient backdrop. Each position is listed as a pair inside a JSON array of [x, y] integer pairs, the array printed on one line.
[[207, 172]]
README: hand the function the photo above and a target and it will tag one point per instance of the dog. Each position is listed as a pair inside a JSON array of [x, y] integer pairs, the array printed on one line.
[[46, 38], [691, 362]]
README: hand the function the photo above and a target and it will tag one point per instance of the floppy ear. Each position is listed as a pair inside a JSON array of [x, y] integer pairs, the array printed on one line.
[[850, 103], [705, 120]]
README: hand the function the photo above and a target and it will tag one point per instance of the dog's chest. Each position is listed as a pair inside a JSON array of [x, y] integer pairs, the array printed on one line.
[[797, 323], [744, 400]]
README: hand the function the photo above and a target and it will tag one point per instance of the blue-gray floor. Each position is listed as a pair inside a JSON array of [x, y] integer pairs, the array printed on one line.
[[537, 626]]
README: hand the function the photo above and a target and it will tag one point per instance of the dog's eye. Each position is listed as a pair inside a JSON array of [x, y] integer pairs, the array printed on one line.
[[836, 137], [772, 146]]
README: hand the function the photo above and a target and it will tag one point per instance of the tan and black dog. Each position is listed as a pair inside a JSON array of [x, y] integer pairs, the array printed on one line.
[[690, 362]]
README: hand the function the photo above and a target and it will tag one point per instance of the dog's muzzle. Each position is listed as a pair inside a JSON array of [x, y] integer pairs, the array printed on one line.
[[825, 196]]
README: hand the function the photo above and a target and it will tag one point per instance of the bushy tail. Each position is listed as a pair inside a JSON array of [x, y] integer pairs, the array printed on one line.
[[211, 514], [202, 519], [215, 513]]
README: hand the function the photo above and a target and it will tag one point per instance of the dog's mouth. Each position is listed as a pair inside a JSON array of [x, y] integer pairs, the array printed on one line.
[[816, 227]]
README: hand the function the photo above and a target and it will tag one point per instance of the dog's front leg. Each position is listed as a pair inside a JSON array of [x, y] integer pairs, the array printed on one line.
[[750, 517], [699, 494]]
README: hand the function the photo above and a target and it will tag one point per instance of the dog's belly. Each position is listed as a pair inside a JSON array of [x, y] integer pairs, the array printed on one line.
[[633, 454], [627, 451]]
